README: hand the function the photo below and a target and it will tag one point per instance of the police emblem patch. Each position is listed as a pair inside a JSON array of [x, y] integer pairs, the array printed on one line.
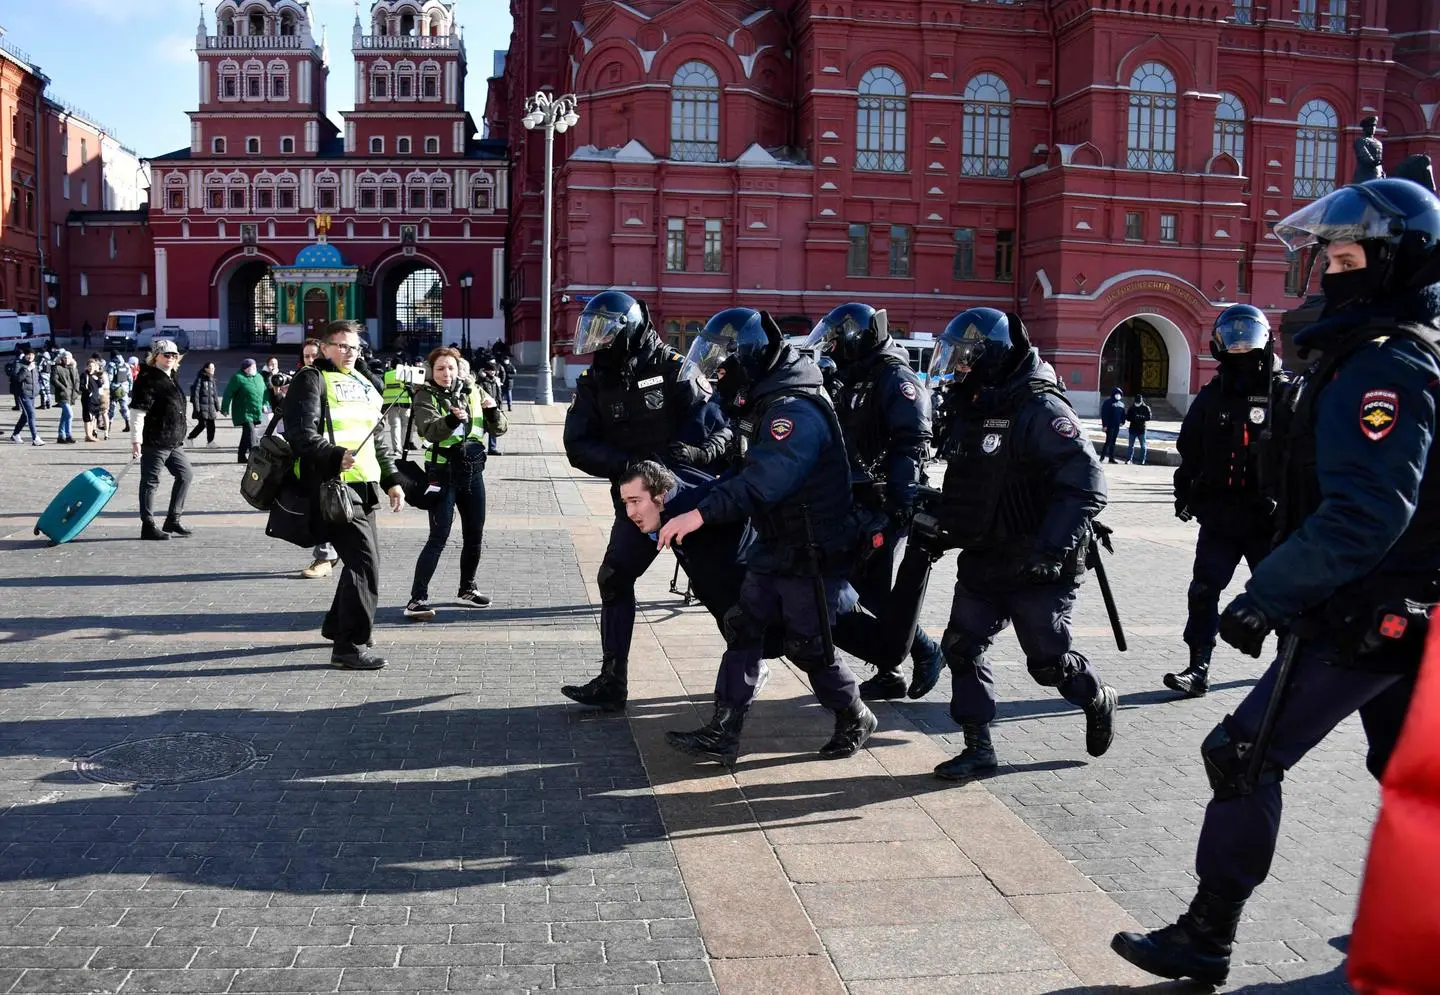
[[908, 389], [655, 400], [1065, 428], [1378, 411], [781, 428], [1257, 416], [990, 443]]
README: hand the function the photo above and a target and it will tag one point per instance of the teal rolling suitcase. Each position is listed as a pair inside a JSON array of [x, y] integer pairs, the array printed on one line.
[[77, 504]]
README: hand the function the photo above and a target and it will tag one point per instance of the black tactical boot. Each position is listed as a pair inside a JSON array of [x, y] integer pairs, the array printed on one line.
[[884, 685], [929, 665], [1194, 680], [853, 727], [1100, 721], [978, 757], [1197, 946], [608, 692], [718, 739]]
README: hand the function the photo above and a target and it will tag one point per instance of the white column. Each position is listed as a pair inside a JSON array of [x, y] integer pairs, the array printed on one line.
[[162, 286]]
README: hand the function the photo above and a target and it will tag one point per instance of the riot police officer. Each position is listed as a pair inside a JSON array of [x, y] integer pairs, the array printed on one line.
[[1020, 491], [1358, 563], [632, 404], [884, 414], [1218, 482], [794, 486]]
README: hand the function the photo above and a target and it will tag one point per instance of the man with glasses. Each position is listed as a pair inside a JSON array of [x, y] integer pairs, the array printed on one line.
[[331, 412], [157, 432], [324, 555]]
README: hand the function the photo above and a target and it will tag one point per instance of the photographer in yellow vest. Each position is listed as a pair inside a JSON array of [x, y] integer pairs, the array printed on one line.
[[344, 445]]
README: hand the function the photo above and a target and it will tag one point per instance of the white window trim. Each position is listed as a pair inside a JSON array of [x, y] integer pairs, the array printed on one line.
[[428, 140], [409, 145], [287, 181], [291, 140], [371, 145], [256, 140], [218, 145]]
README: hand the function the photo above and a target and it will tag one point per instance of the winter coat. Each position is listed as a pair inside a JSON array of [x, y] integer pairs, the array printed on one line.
[[27, 380], [65, 381], [1138, 413], [205, 395], [158, 394], [244, 399], [1112, 413]]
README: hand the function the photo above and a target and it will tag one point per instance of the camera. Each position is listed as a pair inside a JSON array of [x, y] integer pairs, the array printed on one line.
[[279, 381]]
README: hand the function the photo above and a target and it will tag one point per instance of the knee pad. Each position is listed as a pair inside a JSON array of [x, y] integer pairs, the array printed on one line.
[[807, 653], [1227, 763], [739, 629], [613, 584], [1201, 594], [1048, 673], [960, 650]]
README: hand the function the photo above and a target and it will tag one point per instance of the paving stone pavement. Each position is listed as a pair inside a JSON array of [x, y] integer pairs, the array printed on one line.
[[451, 823]]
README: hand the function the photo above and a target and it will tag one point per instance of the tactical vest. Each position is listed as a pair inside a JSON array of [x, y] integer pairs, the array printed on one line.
[[397, 392], [1234, 427], [634, 408], [825, 491], [471, 430], [1294, 458], [990, 495], [354, 410], [862, 421]]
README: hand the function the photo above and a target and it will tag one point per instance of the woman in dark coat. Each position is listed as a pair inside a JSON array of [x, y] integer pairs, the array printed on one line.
[[205, 396]]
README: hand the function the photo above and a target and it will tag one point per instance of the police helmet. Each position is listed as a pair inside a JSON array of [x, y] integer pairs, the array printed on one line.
[[1241, 328], [610, 319], [714, 342], [850, 332], [757, 346], [979, 342], [1396, 222]]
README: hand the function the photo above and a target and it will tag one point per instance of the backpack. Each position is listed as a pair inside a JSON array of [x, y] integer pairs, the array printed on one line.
[[270, 462]]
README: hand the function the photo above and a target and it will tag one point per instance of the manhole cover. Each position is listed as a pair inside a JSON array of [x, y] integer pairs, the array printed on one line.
[[176, 759]]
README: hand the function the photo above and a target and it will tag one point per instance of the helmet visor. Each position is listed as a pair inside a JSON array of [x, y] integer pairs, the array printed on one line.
[[828, 335], [1242, 335], [1345, 215], [706, 354], [595, 330], [955, 358]]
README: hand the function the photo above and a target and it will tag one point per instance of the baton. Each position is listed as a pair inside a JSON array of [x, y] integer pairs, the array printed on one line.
[[827, 638], [1289, 648], [1107, 595]]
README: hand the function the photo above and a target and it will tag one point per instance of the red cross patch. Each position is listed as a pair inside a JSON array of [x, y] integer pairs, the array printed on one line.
[[908, 389], [781, 428], [1393, 626], [1379, 410]]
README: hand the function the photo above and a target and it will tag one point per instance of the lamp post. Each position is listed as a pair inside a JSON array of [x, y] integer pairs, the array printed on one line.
[[467, 280], [553, 114]]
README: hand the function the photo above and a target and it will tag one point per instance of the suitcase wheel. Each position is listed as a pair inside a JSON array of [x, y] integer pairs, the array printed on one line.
[[37, 530]]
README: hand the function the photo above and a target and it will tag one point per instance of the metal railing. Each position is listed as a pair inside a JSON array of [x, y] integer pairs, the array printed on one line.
[[75, 110], [414, 42], [255, 42], [16, 51]]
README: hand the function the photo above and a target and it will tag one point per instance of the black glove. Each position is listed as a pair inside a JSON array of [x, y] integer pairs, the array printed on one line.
[[1040, 568], [680, 452], [1182, 510], [1244, 626]]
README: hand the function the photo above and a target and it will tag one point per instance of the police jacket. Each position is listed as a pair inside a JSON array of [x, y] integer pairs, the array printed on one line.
[[1220, 447], [305, 431], [634, 410], [795, 467], [884, 413], [713, 557], [158, 394], [1359, 503], [1021, 477]]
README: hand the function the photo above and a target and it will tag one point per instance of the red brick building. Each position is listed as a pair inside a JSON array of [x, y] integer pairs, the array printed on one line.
[[22, 205], [1108, 167], [274, 222]]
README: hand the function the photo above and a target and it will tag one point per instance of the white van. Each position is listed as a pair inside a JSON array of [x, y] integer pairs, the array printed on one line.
[[129, 329], [35, 328], [10, 334]]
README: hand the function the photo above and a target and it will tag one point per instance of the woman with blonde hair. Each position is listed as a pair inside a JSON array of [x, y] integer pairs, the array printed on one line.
[[452, 414]]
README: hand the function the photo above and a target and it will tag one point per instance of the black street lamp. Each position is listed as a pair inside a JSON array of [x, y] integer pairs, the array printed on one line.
[[467, 280]]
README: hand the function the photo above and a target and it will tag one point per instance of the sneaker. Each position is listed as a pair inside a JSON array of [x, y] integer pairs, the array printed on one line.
[[320, 568], [419, 611], [473, 597], [15, 438], [37, 442]]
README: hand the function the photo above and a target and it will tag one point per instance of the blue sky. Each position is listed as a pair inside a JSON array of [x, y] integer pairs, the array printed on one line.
[[131, 63]]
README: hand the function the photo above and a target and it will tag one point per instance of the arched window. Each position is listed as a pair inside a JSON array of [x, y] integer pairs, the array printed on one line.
[[880, 139], [390, 191], [432, 146], [287, 193], [175, 193], [287, 22], [986, 127], [217, 146], [1316, 141], [368, 197], [482, 195], [405, 81], [254, 80], [430, 81], [327, 191], [440, 192], [1152, 118], [229, 80], [257, 24], [225, 23], [1230, 128], [695, 114], [279, 74], [380, 81], [264, 193], [402, 146]]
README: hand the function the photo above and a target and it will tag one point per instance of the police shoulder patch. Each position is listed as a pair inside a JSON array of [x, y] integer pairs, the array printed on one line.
[[1379, 410], [908, 389], [1065, 428], [781, 428]]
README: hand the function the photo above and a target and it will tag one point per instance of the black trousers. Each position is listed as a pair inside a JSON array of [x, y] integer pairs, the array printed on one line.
[[627, 557], [248, 434], [352, 614], [152, 460], [206, 425]]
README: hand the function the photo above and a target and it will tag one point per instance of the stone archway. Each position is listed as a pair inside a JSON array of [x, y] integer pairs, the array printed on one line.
[[411, 306], [1147, 353], [248, 299]]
